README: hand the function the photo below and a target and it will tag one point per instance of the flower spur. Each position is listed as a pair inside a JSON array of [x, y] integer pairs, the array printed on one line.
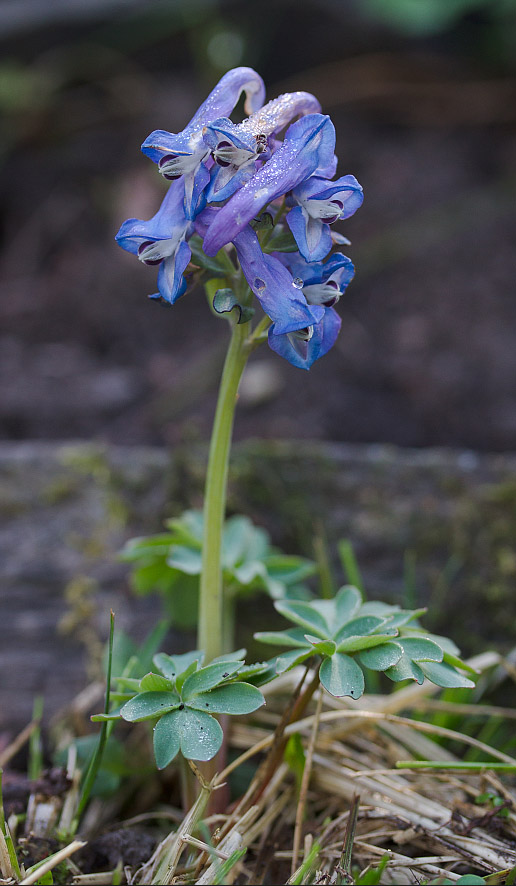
[[185, 153]]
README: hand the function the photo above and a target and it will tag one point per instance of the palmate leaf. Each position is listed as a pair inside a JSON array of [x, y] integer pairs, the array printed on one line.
[[372, 635]]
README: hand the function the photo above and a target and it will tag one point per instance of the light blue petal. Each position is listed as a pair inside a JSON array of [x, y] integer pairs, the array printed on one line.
[[161, 142], [345, 189], [224, 96], [171, 283], [224, 129], [308, 143], [220, 102], [311, 235], [169, 219], [274, 286], [225, 181], [304, 354]]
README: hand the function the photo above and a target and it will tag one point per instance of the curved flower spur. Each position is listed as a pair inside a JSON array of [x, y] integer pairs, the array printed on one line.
[[255, 179], [185, 153]]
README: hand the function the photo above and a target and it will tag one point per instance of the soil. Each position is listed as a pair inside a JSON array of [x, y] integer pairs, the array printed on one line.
[[426, 354]]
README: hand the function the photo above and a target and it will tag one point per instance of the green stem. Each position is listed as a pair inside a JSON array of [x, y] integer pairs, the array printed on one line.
[[211, 619]]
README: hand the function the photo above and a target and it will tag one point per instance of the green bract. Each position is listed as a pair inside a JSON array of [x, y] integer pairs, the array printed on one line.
[[184, 696], [350, 635], [171, 562]]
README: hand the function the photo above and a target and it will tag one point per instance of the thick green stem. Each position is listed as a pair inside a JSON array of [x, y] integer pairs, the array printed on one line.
[[211, 619]]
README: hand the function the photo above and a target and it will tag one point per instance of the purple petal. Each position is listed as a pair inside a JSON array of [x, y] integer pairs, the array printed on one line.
[[311, 235], [274, 286], [304, 353], [308, 143], [168, 223], [171, 283]]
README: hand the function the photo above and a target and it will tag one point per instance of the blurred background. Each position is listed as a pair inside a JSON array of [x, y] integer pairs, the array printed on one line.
[[423, 97]]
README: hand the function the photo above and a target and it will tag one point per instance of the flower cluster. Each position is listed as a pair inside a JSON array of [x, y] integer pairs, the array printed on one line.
[[266, 187]]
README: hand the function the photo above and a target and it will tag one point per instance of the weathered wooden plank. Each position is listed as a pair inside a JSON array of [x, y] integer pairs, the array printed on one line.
[[65, 511]]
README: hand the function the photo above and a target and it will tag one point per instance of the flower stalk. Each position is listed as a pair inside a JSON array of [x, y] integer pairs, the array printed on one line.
[[210, 636]]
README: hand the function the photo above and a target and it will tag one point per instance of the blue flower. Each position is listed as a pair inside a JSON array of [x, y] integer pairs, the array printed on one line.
[[162, 240], [320, 204], [304, 346], [278, 293], [322, 283], [185, 153], [238, 148], [309, 143]]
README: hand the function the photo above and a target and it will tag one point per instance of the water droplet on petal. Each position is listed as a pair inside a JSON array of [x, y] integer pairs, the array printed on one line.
[[298, 283], [259, 284]]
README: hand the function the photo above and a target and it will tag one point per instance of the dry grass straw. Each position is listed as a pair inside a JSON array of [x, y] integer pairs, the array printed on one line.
[[426, 821]]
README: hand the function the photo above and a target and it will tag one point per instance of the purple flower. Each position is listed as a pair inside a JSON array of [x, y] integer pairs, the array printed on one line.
[[238, 148], [320, 204], [322, 283], [309, 143], [304, 346], [162, 241], [185, 153], [272, 283]]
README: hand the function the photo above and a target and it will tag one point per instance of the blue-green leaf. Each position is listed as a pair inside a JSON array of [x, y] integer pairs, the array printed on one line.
[[166, 739], [405, 669], [172, 665], [379, 658], [291, 637], [200, 735], [235, 698], [369, 641], [183, 677], [403, 617], [208, 677], [443, 675], [347, 603], [185, 560], [304, 615], [358, 627], [457, 662], [242, 541], [291, 658], [341, 675], [421, 649], [225, 300], [289, 569], [321, 647], [188, 529], [155, 683], [148, 705], [238, 655]]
